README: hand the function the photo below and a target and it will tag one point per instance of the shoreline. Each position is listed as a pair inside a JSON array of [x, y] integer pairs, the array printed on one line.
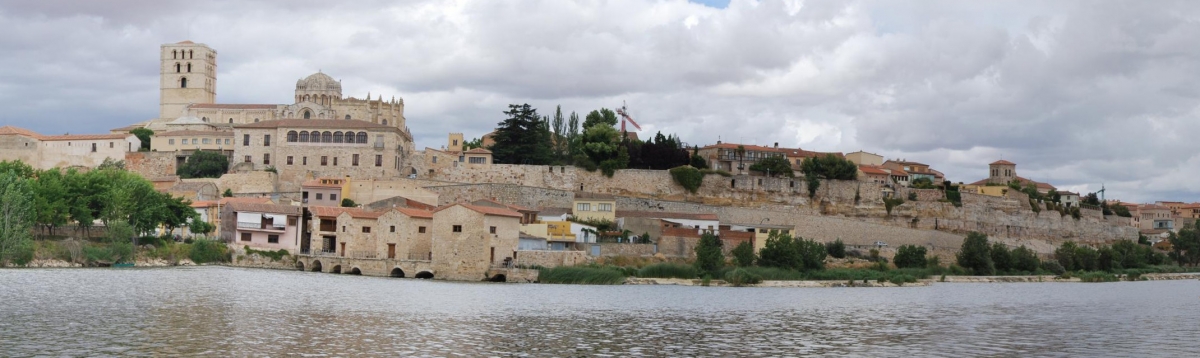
[[257, 264]]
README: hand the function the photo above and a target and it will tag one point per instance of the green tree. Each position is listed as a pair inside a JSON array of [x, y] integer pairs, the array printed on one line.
[[227, 194], [600, 147], [17, 216], [473, 143], [836, 249], [688, 177], [922, 183], [1087, 258], [826, 167], [697, 161], [51, 202], [204, 164], [201, 227], [910, 256], [709, 258], [975, 254], [110, 163], [347, 203], [1185, 245], [143, 134], [743, 254], [559, 136], [783, 251], [603, 116], [1024, 259], [18, 168], [1121, 211], [1001, 257], [572, 137], [775, 165], [1065, 255], [522, 138]]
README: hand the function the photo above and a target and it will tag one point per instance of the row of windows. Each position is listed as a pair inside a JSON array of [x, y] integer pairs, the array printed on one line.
[[271, 239], [420, 229], [177, 54], [588, 207], [327, 137], [324, 160], [204, 141], [332, 197]]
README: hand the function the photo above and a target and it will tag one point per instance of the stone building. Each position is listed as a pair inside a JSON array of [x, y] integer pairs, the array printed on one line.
[[299, 148], [726, 156], [453, 156], [865, 158], [1002, 172], [470, 239], [63, 151]]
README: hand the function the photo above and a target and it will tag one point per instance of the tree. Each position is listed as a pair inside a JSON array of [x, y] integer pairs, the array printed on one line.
[[910, 256], [1025, 260], [347, 203], [1001, 257], [836, 249], [1121, 211], [559, 136], [522, 138], [109, 163], [1087, 258], [826, 167], [1091, 199], [51, 203], [697, 161], [743, 254], [782, 251], [472, 144], [16, 218], [660, 152], [227, 194], [143, 135], [572, 137], [204, 164], [201, 227], [709, 258], [1185, 245], [603, 116], [774, 165], [1065, 255], [18, 168], [600, 147], [922, 183], [975, 254]]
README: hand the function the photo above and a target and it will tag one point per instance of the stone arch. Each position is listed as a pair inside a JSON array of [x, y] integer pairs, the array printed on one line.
[[337, 137], [326, 137], [347, 117], [336, 269], [316, 266], [306, 114], [292, 136], [299, 265], [424, 275], [397, 272], [303, 136], [361, 138], [354, 271], [183, 82], [498, 278]]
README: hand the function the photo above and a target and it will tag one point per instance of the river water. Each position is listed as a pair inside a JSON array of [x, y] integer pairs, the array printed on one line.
[[220, 312]]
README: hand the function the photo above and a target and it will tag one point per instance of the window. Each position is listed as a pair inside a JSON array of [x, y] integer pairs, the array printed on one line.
[[171, 141], [307, 114], [366, 229], [303, 136], [247, 159], [343, 226], [193, 140], [326, 137], [266, 158], [362, 137], [189, 67], [266, 140], [435, 159], [335, 161], [333, 197], [226, 141], [324, 160], [604, 207], [392, 228], [93, 147], [482, 160], [183, 82], [206, 140], [460, 158], [492, 229], [420, 229], [337, 137], [379, 160], [457, 228], [289, 160], [347, 117], [110, 144], [291, 136], [456, 142], [319, 195], [583, 207], [245, 140], [245, 236], [272, 239], [385, 122], [354, 160], [304, 160]]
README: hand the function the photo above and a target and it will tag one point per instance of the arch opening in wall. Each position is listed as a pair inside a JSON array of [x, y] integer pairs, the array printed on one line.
[[361, 138], [189, 67], [316, 266], [397, 272], [303, 136], [347, 117], [306, 114], [291, 136], [355, 271], [336, 269], [299, 265], [385, 122], [425, 275], [183, 82], [327, 137], [337, 137], [498, 278], [177, 68]]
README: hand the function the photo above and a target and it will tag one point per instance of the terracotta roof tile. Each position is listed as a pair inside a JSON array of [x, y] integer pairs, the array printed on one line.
[[83, 137], [871, 169], [416, 213], [479, 151]]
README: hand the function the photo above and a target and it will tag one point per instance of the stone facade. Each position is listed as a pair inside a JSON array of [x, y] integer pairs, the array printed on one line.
[[546, 258], [467, 241], [187, 75], [376, 151], [151, 164], [64, 151]]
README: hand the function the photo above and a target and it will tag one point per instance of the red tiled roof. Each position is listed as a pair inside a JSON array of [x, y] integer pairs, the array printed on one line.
[[871, 169], [665, 215], [479, 151], [1002, 162], [800, 153], [333, 211], [502, 205], [189, 133], [204, 203], [233, 106], [231, 200], [265, 208], [416, 213], [83, 137], [748, 147]]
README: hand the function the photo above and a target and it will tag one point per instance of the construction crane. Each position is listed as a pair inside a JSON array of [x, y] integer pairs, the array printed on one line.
[[1101, 192], [626, 118]]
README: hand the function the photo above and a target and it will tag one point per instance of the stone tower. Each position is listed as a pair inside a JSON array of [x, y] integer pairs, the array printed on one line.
[[455, 142], [188, 75], [1002, 172]]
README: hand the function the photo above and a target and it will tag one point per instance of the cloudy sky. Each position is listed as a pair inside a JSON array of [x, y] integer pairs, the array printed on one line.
[[1077, 93]]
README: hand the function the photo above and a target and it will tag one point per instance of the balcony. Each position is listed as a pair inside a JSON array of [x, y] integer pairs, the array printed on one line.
[[260, 227]]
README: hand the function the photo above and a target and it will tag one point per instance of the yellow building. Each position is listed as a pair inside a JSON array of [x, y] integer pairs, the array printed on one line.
[[990, 190], [594, 207]]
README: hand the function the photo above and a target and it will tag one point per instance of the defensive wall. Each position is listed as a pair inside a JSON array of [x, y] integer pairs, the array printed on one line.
[[151, 164]]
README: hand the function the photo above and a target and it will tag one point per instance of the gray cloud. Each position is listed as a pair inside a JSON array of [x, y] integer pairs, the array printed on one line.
[[1077, 93]]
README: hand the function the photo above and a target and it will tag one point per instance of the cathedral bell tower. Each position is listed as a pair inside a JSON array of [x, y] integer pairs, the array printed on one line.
[[188, 75]]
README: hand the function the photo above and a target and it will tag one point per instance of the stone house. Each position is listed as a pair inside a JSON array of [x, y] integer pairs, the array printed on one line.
[[1068, 199], [188, 141], [262, 226], [594, 206], [865, 158], [915, 170], [453, 156], [195, 190], [398, 233], [469, 239], [64, 151], [1002, 172], [300, 148], [656, 223], [874, 174], [761, 232]]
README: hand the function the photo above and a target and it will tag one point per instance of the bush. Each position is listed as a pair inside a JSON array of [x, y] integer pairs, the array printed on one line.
[[709, 258], [668, 270], [1025, 260], [901, 279], [743, 254], [742, 277], [1098, 276], [688, 177], [775, 274], [782, 251], [975, 254], [890, 203], [205, 251], [910, 256], [912, 196], [1053, 267], [1001, 258], [273, 255], [347, 203], [583, 275], [836, 249]]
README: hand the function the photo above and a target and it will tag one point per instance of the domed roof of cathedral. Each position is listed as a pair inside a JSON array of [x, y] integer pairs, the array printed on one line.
[[318, 81], [187, 120]]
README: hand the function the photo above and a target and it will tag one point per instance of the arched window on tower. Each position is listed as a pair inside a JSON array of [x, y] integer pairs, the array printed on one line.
[[362, 137], [190, 53], [175, 54], [291, 136], [189, 67], [177, 67], [307, 114], [303, 136], [327, 137], [385, 122], [347, 117], [231, 120], [183, 82], [337, 137]]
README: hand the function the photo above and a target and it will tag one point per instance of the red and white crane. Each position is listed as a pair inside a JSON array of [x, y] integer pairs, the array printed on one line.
[[626, 118]]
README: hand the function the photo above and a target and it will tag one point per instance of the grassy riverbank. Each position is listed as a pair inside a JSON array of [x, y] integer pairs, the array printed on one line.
[[90, 253]]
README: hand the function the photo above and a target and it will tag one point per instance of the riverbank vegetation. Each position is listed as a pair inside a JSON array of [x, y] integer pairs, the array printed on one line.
[[105, 252]]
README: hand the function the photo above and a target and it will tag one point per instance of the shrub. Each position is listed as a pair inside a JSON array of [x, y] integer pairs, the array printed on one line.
[[742, 277], [1053, 267], [743, 254], [782, 251], [910, 256], [901, 279], [890, 203], [688, 177], [709, 258], [347, 203], [204, 251], [1001, 258], [912, 196], [583, 275], [836, 249], [273, 255], [1024, 259], [668, 270], [1098, 276], [975, 254]]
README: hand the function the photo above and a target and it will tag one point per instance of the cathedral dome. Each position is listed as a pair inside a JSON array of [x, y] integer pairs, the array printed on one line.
[[319, 81]]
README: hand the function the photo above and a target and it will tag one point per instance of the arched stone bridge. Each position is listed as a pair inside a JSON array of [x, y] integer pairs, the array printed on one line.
[[366, 267]]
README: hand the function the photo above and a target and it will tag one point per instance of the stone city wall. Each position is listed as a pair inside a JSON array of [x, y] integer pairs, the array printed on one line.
[[245, 183], [547, 258], [151, 164]]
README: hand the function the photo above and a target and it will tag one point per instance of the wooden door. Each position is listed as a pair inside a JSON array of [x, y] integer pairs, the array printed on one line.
[[343, 249], [391, 251]]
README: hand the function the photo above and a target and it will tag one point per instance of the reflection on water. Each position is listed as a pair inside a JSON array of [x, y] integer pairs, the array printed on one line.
[[218, 311]]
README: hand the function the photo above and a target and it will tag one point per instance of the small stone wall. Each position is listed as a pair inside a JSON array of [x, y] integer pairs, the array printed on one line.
[[628, 250], [151, 164], [548, 258]]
